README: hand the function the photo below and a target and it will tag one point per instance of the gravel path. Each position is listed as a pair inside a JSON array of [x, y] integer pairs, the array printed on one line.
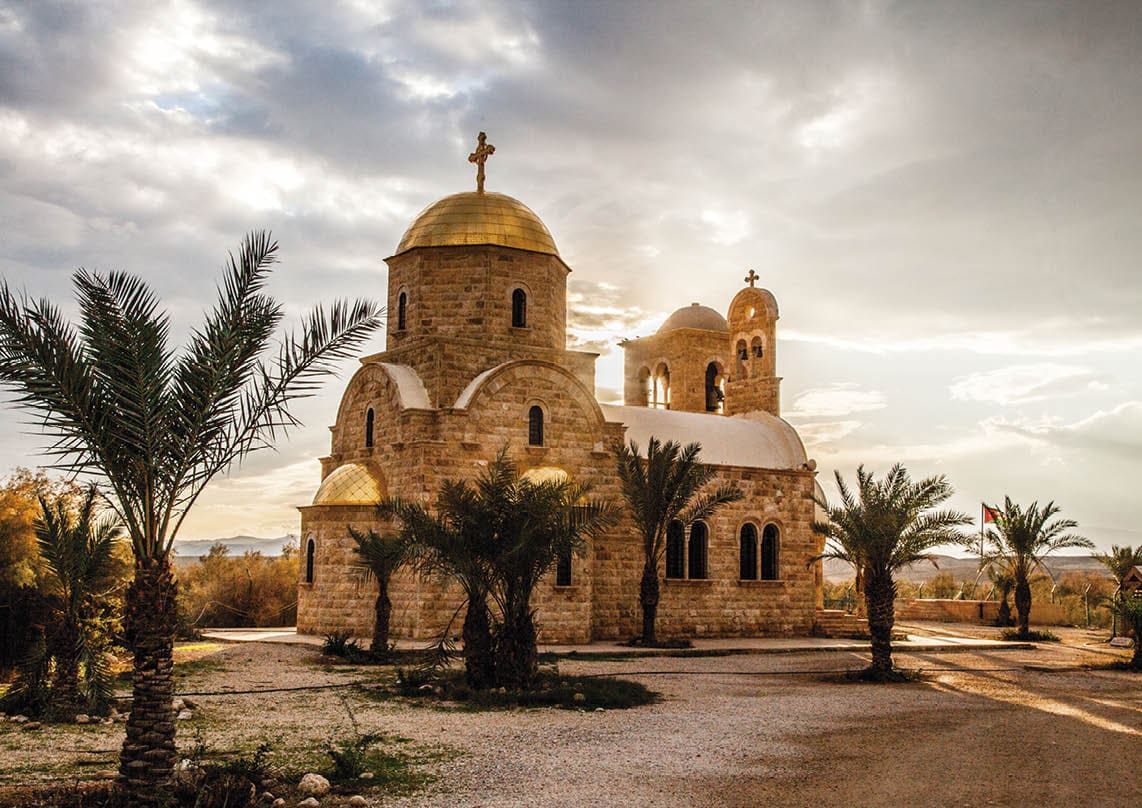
[[730, 731]]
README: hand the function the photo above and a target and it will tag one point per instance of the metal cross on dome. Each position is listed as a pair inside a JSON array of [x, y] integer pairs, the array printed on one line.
[[484, 150], [751, 278]]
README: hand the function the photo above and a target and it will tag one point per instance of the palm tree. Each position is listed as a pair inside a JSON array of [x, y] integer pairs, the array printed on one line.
[[497, 538], [1003, 582], [379, 556], [158, 425], [1020, 540], [660, 489], [887, 525], [455, 543], [537, 523], [1132, 616], [1118, 562], [76, 547]]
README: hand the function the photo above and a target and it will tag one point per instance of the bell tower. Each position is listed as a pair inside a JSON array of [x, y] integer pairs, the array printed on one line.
[[753, 381]]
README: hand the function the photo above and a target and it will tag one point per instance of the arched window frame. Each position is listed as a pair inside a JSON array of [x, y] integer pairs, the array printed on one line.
[[661, 383], [741, 358], [536, 418], [697, 552], [310, 556], [715, 386], [771, 553], [646, 386], [370, 423], [519, 307], [748, 552], [757, 348], [675, 550], [402, 310]]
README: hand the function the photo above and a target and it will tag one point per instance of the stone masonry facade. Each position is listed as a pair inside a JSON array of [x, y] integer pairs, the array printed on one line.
[[459, 382]]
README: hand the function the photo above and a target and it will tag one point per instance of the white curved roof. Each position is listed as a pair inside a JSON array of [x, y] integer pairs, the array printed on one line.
[[466, 394], [757, 440], [413, 395]]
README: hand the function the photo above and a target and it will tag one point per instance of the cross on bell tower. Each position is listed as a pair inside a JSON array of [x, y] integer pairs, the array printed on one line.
[[751, 278], [484, 150]]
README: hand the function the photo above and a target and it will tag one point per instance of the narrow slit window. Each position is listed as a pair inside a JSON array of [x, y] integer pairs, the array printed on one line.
[[748, 553], [369, 419], [699, 536], [675, 551], [563, 569], [535, 426], [310, 551], [769, 553], [519, 309], [402, 311]]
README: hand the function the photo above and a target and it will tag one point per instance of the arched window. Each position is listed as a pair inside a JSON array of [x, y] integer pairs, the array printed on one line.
[[402, 311], [741, 353], [519, 308], [755, 348], [646, 387], [563, 569], [310, 551], [369, 418], [535, 426], [748, 553], [769, 551], [662, 387], [699, 535], [675, 551], [714, 395]]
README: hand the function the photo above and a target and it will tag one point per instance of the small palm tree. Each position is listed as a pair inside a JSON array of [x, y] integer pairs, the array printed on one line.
[[76, 547], [663, 488], [1119, 562], [1020, 540], [455, 543], [537, 523], [888, 524], [158, 426], [379, 556]]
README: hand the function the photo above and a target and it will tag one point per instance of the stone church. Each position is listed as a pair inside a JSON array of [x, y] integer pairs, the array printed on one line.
[[476, 358]]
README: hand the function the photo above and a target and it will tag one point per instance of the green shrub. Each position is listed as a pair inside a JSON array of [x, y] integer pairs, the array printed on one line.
[[1031, 636]]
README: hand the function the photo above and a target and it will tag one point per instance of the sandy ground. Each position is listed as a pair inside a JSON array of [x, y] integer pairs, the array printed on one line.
[[1011, 727]]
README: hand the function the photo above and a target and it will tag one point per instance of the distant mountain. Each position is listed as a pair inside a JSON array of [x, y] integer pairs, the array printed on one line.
[[964, 568], [189, 550]]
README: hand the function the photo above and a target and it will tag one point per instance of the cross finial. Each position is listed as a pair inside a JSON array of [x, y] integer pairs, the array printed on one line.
[[751, 278], [484, 150]]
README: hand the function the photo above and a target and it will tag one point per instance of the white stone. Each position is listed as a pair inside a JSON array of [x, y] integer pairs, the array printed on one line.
[[367, 775], [83, 718], [19, 719], [185, 715], [178, 705], [357, 801], [313, 785]]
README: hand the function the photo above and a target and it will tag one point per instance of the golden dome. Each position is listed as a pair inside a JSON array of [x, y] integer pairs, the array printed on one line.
[[472, 218], [351, 484]]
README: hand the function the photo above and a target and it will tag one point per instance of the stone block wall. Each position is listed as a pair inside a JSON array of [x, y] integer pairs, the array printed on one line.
[[686, 352]]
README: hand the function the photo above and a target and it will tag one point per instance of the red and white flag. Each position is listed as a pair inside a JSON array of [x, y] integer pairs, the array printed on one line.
[[990, 515]]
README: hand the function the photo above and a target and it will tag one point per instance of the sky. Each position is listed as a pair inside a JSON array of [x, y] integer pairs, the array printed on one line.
[[945, 198]]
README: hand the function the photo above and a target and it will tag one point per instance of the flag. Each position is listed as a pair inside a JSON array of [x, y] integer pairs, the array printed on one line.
[[990, 515]]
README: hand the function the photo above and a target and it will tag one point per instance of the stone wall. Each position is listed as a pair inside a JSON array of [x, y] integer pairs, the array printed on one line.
[[686, 352]]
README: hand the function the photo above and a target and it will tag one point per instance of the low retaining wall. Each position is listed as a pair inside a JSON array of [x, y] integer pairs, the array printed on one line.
[[971, 611]]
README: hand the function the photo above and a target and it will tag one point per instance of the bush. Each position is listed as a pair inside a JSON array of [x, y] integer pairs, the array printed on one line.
[[1031, 636], [551, 690], [251, 590], [339, 644]]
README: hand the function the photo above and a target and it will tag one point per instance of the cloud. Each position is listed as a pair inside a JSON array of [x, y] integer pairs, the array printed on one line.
[[836, 400], [1117, 431], [824, 435], [1022, 384]]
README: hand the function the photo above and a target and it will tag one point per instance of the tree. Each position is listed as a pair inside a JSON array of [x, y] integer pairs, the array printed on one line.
[[888, 524], [77, 548], [379, 556], [1132, 616], [660, 489], [1020, 540], [158, 425], [536, 523], [1119, 562], [497, 538], [1003, 582]]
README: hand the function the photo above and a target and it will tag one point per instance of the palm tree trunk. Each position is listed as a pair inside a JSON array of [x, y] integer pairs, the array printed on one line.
[[648, 599], [479, 658], [517, 662], [384, 610], [880, 596], [146, 762], [1023, 604], [65, 700]]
